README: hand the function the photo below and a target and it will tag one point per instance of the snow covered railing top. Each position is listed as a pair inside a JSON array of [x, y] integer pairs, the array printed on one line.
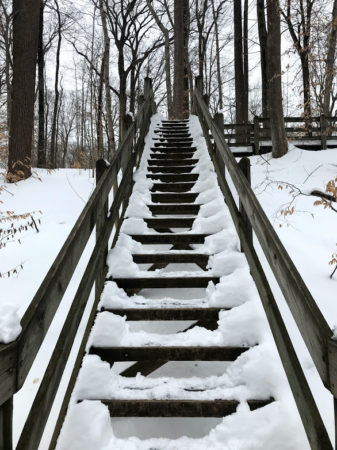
[[313, 327], [17, 357]]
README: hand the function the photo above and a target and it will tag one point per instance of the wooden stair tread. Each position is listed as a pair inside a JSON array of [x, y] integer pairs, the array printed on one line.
[[174, 198], [173, 149], [171, 238], [173, 208], [164, 282], [170, 169], [174, 222], [172, 162], [171, 258], [173, 177], [177, 408], [172, 187], [170, 156], [168, 353], [168, 313]]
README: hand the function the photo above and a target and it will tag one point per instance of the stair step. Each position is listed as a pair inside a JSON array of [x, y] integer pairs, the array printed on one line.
[[179, 143], [180, 208], [170, 169], [175, 198], [172, 187], [171, 156], [173, 139], [174, 222], [171, 258], [164, 282], [147, 314], [172, 162], [173, 149], [177, 408], [167, 178], [171, 238], [152, 353], [165, 132]]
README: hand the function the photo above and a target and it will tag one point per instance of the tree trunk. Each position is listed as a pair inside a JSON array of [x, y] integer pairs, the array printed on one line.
[[241, 103], [167, 59], [261, 20], [107, 81], [52, 162], [278, 135], [181, 94], [26, 15], [217, 48], [41, 144], [330, 61]]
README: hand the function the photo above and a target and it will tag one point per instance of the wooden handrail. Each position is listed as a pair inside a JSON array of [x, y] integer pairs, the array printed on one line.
[[16, 358], [310, 321]]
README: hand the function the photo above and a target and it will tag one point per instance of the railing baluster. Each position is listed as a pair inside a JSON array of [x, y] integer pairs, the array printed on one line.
[[246, 225], [6, 425]]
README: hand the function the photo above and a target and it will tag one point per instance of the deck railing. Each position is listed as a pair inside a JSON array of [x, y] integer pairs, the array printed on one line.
[[17, 357], [321, 130], [315, 331]]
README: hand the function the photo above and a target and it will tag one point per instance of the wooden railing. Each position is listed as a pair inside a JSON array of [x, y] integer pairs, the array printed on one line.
[[313, 327], [320, 129], [17, 357]]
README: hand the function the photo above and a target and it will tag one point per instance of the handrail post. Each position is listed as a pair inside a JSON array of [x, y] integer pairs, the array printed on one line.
[[6, 425], [148, 92], [244, 165], [256, 136], [101, 167], [219, 121], [323, 131]]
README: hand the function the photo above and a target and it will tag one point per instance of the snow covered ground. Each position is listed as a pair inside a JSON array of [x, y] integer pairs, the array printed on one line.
[[309, 235]]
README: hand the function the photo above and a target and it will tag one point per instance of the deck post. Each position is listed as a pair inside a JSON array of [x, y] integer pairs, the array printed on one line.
[[101, 167], [244, 165], [219, 121], [6, 425], [256, 136], [323, 131]]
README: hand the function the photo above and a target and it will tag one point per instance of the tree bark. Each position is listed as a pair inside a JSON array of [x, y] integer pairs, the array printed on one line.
[[181, 92], [53, 158], [278, 135], [166, 35], [217, 48], [330, 61], [41, 144], [261, 20], [26, 15]]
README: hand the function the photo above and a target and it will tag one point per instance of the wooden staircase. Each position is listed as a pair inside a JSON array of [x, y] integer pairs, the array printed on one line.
[[171, 165]]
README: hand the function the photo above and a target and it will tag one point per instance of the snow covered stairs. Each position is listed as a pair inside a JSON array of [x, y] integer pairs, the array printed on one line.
[[170, 164]]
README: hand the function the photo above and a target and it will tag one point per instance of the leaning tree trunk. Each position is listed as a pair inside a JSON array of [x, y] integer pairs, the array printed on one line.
[[261, 20], [330, 61], [181, 91], [278, 134], [26, 15]]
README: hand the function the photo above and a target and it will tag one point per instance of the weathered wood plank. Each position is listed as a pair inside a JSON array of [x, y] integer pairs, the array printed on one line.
[[43, 401], [6, 425], [177, 408], [178, 209], [152, 353], [305, 402], [173, 238], [8, 362], [169, 313], [170, 169], [165, 282], [310, 321], [170, 258]]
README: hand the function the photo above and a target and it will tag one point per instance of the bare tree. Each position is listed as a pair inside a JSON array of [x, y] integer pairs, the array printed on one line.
[[181, 90], [26, 15], [330, 61], [261, 21], [278, 135]]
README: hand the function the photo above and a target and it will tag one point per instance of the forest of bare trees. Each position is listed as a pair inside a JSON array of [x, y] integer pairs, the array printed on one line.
[[90, 58]]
